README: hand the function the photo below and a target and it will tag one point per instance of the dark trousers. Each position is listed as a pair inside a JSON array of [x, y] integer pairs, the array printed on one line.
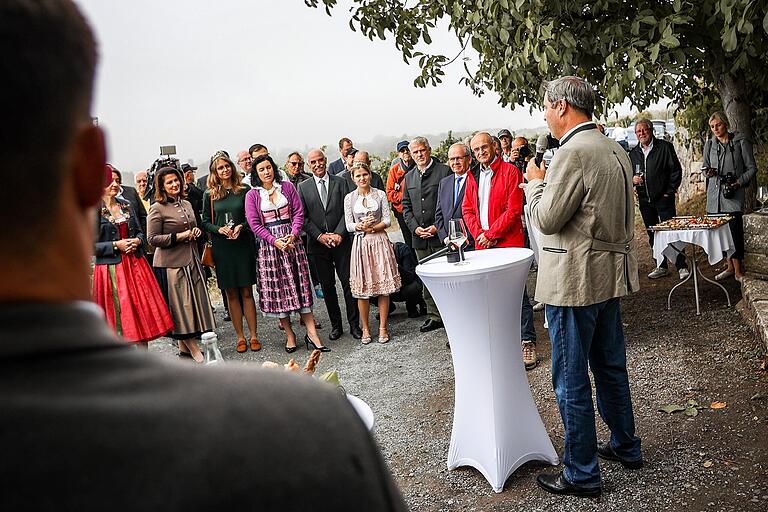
[[736, 225], [527, 331], [588, 338], [411, 294], [407, 235], [432, 311], [312, 271], [329, 264], [653, 213]]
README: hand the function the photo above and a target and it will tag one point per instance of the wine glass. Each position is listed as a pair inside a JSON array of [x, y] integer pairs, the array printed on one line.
[[457, 235], [228, 220], [762, 197]]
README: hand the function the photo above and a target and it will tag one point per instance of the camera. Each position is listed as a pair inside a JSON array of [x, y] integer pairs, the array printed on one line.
[[727, 182], [166, 159], [523, 154]]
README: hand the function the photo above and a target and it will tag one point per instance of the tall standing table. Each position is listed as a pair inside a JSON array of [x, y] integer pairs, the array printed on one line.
[[496, 426]]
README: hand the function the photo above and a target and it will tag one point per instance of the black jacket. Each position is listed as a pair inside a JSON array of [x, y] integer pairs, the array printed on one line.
[[109, 233], [131, 195], [420, 201], [663, 172]]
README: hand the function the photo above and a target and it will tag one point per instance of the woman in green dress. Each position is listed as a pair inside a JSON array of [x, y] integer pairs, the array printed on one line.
[[234, 252]]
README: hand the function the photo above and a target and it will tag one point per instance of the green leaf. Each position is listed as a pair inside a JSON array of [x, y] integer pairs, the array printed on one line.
[[504, 35], [670, 408], [670, 42], [729, 40], [677, 5], [765, 23], [692, 412]]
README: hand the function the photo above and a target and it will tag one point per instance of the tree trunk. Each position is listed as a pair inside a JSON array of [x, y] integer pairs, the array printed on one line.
[[733, 93]]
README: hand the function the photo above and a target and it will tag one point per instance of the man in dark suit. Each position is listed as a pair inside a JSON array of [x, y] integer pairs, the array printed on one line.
[[75, 400], [328, 243], [338, 166], [419, 207], [450, 192], [130, 195]]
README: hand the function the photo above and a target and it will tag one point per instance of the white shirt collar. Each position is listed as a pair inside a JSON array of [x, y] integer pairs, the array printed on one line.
[[431, 161], [324, 178]]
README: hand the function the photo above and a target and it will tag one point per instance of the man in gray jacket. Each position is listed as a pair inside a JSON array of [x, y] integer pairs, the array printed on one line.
[[420, 198], [89, 422], [585, 210]]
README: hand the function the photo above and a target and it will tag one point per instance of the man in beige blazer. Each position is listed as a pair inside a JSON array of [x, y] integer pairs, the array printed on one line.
[[584, 207]]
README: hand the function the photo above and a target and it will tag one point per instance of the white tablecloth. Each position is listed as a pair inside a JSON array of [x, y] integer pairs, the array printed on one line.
[[496, 426], [714, 242]]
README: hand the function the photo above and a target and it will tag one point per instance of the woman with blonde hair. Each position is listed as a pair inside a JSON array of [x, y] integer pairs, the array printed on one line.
[[729, 163], [373, 268], [234, 252], [172, 230]]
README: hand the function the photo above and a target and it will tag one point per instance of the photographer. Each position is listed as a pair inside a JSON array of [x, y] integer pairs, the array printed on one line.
[[729, 164]]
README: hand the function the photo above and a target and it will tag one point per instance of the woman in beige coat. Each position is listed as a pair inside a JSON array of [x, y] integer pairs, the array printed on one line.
[[172, 230]]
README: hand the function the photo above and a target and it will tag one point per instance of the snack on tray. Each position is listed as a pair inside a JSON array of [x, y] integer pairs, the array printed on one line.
[[309, 368], [292, 366], [269, 364], [692, 222]]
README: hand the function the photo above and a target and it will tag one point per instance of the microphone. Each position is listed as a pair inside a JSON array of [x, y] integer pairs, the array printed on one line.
[[441, 252], [542, 144]]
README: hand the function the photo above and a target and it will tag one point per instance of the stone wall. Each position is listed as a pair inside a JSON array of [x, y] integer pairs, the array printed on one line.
[[756, 245], [689, 151]]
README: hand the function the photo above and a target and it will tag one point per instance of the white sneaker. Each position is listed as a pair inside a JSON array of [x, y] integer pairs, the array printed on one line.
[[725, 274], [683, 273], [657, 273]]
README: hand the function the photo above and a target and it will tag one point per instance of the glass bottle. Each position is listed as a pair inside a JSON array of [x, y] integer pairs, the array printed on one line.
[[211, 348]]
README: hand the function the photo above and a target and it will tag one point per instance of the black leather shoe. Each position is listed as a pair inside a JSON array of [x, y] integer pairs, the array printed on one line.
[[335, 333], [431, 325], [356, 332], [557, 484], [604, 451]]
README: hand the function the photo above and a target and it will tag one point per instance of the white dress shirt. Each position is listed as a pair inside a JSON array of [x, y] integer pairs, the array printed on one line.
[[484, 195]]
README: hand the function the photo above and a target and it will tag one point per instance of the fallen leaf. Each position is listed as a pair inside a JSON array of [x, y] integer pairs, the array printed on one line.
[[670, 408], [718, 405], [692, 411], [708, 464]]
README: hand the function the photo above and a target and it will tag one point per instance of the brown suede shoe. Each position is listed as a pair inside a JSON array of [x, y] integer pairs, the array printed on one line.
[[529, 355]]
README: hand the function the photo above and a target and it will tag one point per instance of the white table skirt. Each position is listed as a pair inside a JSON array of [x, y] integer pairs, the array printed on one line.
[[496, 426], [715, 242]]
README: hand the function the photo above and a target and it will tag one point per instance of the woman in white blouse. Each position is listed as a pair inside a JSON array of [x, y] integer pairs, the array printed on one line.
[[373, 268]]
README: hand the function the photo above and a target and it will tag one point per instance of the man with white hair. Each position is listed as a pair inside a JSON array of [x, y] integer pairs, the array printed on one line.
[[419, 207]]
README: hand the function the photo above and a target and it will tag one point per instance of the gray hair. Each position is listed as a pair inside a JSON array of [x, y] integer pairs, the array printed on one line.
[[467, 152], [577, 92], [646, 122], [720, 116], [419, 141]]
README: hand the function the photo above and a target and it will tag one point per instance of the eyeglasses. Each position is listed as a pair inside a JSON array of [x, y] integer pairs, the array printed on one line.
[[296, 163]]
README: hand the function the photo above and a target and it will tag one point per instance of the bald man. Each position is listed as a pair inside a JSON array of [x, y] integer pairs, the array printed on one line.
[[362, 156]]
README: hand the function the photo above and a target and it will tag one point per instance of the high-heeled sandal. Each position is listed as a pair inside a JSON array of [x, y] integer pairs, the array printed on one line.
[[255, 345], [385, 337], [309, 342], [241, 346], [366, 338]]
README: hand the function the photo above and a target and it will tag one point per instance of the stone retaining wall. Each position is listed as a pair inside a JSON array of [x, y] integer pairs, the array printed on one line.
[[689, 151]]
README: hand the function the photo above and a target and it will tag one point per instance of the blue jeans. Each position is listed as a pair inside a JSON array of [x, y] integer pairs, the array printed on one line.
[[587, 337], [527, 331]]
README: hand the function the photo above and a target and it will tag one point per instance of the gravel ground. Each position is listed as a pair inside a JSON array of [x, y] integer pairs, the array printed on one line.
[[715, 461]]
